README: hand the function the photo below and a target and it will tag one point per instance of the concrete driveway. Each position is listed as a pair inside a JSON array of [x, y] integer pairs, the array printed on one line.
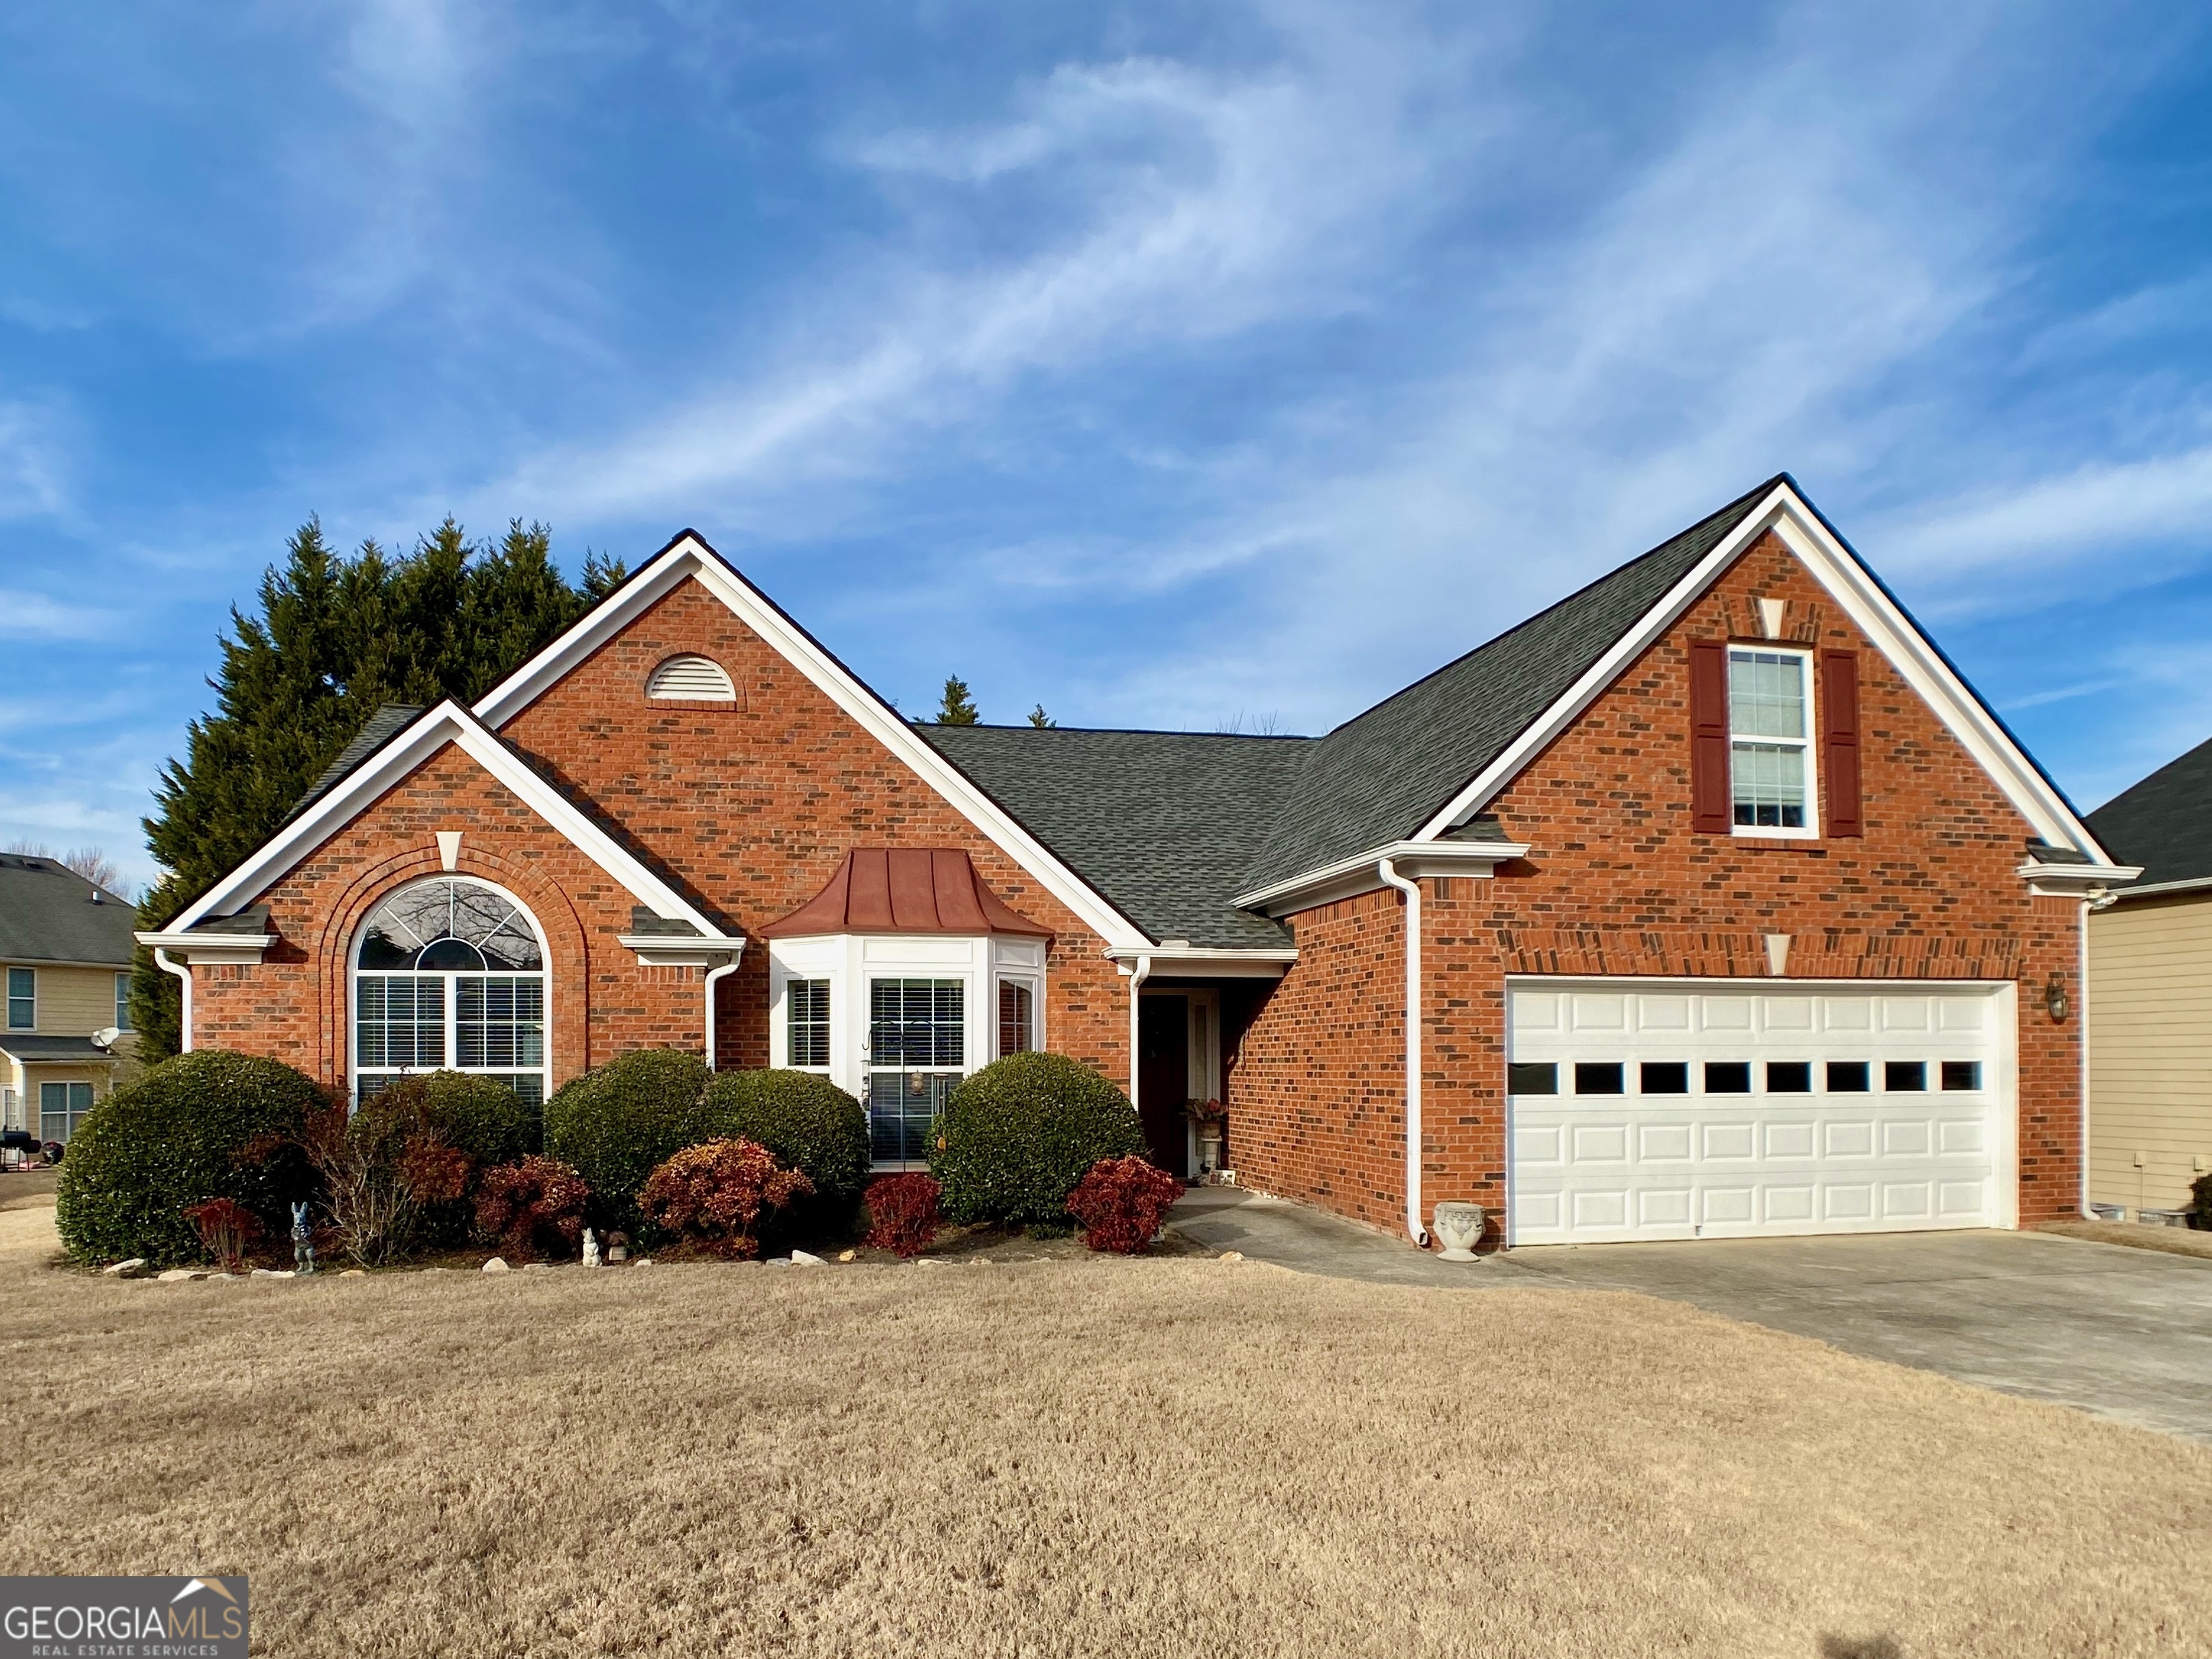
[[2126, 1333]]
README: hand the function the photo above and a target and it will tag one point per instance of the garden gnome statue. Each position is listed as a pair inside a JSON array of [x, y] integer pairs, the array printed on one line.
[[1459, 1229], [303, 1248], [591, 1248]]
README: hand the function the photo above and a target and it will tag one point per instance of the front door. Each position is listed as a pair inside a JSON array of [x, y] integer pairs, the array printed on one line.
[[1163, 1078]]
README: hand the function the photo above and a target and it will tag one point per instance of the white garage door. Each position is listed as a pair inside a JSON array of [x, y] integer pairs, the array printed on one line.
[[1650, 1110]]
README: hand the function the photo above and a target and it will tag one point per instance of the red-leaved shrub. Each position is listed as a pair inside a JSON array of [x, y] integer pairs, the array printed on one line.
[[1121, 1202], [714, 1195], [227, 1229], [901, 1213], [533, 1206]]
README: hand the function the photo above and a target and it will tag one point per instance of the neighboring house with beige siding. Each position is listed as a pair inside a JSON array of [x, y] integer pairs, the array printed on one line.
[[2150, 995], [65, 947]]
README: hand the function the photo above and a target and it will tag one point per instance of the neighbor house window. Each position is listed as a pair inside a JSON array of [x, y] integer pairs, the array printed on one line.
[[1016, 1018], [1767, 728], [62, 1107], [450, 974], [806, 1023], [917, 1052], [22, 999], [123, 1002]]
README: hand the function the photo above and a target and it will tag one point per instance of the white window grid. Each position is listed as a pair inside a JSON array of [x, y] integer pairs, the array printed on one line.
[[1771, 778]]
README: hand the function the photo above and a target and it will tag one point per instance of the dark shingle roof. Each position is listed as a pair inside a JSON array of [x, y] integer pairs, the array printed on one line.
[[385, 724], [47, 915], [2164, 824], [1379, 777], [1164, 824]]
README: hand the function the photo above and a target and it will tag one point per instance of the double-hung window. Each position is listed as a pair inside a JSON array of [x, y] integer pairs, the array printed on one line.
[[1016, 1018], [806, 1023], [62, 1107], [1770, 769], [22, 999], [917, 1052]]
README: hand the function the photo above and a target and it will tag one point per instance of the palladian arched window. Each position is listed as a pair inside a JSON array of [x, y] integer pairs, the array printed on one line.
[[450, 973]]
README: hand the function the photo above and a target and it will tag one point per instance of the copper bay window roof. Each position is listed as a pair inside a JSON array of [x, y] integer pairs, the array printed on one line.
[[904, 890]]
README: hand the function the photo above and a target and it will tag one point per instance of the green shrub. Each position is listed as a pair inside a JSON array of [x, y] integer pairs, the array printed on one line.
[[617, 1123], [2200, 1201], [810, 1125], [478, 1116], [171, 1141], [1017, 1136]]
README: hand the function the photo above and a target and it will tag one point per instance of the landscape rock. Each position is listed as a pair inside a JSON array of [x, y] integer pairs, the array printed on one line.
[[927, 1261], [846, 1255], [537, 1267], [135, 1267], [497, 1265], [179, 1275], [806, 1259], [352, 1272], [1231, 1255], [273, 1273], [779, 1261], [642, 1261]]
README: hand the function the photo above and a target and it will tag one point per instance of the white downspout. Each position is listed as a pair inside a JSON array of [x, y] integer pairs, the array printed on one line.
[[1412, 890], [183, 972], [714, 973], [1138, 975]]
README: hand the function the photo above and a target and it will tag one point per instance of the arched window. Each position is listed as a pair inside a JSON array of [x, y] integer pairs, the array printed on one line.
[[690, 679], [450, 973]]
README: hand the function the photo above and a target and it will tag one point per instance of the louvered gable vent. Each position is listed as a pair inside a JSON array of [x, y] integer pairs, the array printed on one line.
[[690, 679]]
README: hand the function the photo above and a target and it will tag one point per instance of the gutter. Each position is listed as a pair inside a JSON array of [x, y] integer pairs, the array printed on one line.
[[1138, 975], [183, 974], [1412, 890], [713, 975]]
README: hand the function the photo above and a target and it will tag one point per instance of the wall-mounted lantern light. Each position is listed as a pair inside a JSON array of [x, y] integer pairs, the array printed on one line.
[[2054, 997]]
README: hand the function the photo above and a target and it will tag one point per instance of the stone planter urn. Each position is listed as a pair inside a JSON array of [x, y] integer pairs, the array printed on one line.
[[1458, 1228]]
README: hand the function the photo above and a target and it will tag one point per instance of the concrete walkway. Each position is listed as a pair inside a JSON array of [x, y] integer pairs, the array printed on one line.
[[2125, 1333]]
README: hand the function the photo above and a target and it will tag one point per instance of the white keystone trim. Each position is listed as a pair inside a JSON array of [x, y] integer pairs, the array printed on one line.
[[415, 744], [1360, 873], [1873, 613], [689, 557]]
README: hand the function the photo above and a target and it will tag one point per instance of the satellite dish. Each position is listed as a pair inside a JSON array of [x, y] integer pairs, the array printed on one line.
[[105, 1035]]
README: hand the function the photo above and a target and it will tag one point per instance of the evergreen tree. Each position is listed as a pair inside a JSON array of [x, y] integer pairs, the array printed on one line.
[[957, 709], [1039, 718], [333, 640]]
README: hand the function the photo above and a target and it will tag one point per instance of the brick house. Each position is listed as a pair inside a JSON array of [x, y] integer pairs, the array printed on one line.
[[1721, 903]]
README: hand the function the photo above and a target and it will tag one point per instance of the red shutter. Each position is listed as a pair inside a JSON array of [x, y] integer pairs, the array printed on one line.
[[1839, 741], [1709, 738]]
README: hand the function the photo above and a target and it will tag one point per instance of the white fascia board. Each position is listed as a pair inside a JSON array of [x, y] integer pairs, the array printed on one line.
[[1872, 611], [2193, 885], [1358, 874], [1196, 961], [681, 951], [689, 557], [211, 950], [448, 723], [2074, 880]]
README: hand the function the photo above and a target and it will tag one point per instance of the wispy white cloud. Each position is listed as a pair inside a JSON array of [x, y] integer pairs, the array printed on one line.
[[33, 465]]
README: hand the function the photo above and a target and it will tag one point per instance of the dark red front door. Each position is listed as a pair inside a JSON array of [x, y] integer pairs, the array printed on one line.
[[1163, 1078]]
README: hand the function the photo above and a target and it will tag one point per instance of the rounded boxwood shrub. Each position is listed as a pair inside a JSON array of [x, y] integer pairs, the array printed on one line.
[[810, 1124], [1016, 1137], [478, 1116], [171, 1141], [620, 1121]]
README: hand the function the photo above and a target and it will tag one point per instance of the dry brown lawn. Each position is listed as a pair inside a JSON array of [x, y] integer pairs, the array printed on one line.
[[1062, 1457], [2174, 1241]]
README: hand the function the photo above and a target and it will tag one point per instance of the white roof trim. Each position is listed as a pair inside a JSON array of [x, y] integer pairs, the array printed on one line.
[[1873, 612], [1360, 874], [688, 557], [2074, 880], [1228, 962], [415, 744]]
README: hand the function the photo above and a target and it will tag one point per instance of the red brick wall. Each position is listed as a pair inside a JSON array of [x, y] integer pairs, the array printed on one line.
[[748, 810], [1617, 883]]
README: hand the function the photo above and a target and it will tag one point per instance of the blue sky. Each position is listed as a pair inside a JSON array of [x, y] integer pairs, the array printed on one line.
[[1173, 366]]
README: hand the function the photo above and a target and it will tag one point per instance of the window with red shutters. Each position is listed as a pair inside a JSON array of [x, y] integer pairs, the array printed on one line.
[[1709, 738], [1839, 741]]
